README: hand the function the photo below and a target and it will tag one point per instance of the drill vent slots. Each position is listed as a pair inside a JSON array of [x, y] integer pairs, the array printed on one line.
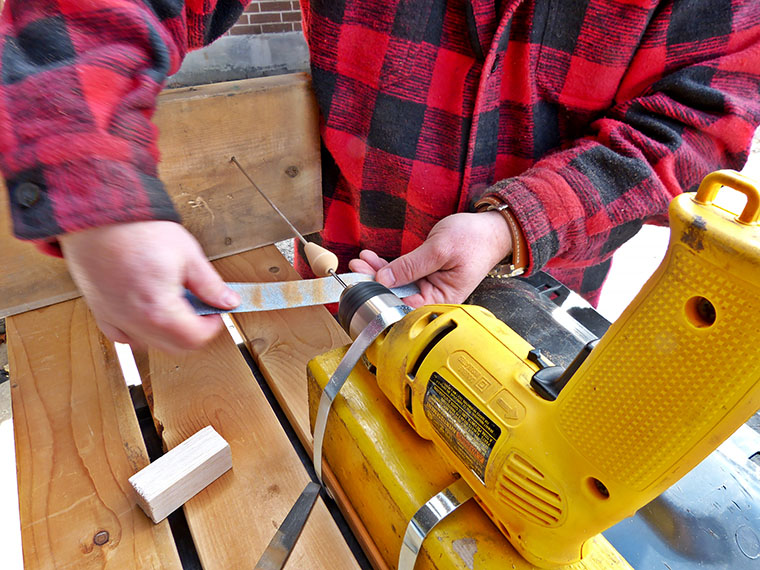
[[523, 488]]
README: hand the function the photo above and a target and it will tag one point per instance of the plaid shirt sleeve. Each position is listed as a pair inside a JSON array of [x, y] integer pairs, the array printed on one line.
[[688, 104], [78, 87]]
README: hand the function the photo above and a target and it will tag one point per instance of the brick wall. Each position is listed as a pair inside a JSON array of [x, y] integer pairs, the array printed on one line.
[[264, 17], [269, 17]]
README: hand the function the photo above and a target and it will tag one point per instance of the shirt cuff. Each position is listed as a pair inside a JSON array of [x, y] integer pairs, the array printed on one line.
[[527, 209], [49, 201]]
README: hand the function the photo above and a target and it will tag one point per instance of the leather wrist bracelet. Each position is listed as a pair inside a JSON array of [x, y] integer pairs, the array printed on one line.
[[516, 262]]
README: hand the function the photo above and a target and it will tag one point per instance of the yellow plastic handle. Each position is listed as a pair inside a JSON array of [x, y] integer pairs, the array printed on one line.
[[711, 183]]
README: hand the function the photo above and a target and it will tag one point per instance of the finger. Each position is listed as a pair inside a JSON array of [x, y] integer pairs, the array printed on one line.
[[415, 301], [203, 280], [372, 259], [430, 294], [360, 266], [408, 268], [175, 327], [115, 334]]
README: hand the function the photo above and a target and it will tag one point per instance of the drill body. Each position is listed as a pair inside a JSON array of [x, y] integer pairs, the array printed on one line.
[[672, 378]]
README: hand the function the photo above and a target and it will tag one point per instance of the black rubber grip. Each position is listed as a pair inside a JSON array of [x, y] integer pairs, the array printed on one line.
[[354, 297]]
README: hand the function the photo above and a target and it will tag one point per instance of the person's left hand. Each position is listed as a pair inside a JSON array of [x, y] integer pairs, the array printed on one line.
[[457, 254]]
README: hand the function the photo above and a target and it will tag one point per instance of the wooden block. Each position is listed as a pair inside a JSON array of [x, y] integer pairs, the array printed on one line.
[[175, 477], [270, 124], [77, 442]]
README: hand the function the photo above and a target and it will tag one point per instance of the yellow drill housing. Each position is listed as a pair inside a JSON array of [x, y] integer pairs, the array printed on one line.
[[673, 377]]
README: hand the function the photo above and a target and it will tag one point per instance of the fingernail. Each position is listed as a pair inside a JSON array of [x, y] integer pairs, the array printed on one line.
[[385, 277], [231, 299]]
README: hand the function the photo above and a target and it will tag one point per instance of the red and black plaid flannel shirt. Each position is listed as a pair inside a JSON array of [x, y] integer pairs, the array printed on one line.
[[586, 117]]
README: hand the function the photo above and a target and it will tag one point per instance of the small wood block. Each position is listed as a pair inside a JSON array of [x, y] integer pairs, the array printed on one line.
[[177, 476]]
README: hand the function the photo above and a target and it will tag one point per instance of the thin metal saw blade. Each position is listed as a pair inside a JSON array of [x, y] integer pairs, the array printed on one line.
[[271, 296]]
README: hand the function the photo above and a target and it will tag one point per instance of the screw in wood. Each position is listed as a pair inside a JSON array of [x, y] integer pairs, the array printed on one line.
[[101, 537], [292, 171]]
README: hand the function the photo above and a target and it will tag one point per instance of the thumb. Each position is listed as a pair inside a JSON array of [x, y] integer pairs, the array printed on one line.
[[205, 283], [408, 268]]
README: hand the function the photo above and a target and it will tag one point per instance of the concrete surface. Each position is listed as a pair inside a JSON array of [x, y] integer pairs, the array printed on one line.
[[242, 57]]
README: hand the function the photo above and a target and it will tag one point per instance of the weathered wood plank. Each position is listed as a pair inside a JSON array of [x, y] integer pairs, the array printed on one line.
[[77, 443], [234, 518], [269, 124]]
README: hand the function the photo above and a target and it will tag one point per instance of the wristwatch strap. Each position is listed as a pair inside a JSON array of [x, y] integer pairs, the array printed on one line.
[[515, 263]]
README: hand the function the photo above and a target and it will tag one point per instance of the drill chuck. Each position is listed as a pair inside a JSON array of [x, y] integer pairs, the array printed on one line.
[[361, 303]]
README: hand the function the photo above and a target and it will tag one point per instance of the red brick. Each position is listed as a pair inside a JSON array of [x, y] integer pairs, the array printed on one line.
[[265, 18], [275, 6], [243, 20], [252, 7], [245, 30], [297, 27], [291, 16], [296, 5], [276, 28]]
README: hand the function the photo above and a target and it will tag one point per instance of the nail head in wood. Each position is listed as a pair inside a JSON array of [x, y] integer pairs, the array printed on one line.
[[101, 537], [178, 475]]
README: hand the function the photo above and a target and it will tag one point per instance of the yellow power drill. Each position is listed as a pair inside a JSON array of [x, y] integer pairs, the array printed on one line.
[[556, 456]]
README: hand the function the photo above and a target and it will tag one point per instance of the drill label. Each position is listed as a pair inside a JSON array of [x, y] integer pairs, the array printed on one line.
[[469, 433]]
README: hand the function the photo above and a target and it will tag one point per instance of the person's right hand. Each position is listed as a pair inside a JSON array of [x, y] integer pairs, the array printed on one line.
[[133, 277], [456, 256]]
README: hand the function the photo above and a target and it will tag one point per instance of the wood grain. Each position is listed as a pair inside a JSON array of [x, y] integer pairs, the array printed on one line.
[[269, 124], [233, 520], [77, 443]]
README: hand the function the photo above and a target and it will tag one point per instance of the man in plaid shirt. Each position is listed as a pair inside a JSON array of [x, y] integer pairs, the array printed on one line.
[[565, 125]]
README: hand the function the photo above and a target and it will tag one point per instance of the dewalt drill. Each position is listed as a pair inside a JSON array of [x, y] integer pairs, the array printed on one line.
[[555, 456]]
